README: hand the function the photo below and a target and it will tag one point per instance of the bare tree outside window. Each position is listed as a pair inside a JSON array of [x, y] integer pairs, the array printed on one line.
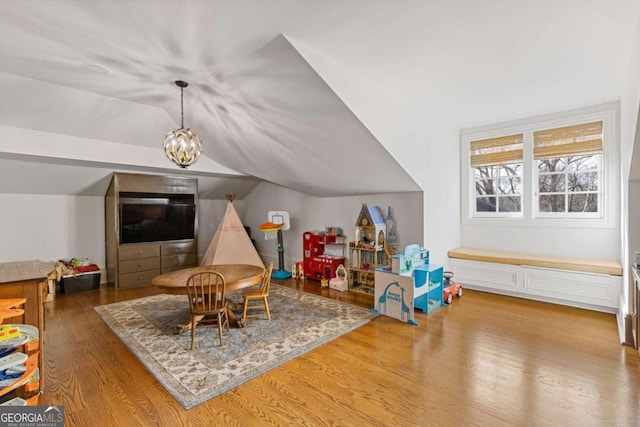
[[499, 188], [569, 184]]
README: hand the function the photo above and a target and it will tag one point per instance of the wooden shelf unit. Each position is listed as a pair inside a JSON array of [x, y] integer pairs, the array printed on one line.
[[363, 262], [23, 291], [136, 264]]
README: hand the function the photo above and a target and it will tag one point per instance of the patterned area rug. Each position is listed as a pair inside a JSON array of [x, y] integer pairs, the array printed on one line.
[[299, 323]]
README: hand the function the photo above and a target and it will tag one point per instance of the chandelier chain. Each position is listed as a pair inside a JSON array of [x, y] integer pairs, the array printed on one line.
[[181, 107]]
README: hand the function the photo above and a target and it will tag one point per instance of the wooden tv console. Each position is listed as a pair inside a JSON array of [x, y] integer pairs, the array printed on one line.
[[136, 264]]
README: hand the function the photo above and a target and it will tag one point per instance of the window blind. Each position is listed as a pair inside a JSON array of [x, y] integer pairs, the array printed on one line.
[[496, 151], [584, 138]]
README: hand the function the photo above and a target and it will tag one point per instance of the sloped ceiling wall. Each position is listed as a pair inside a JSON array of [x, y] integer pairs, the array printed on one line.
[[264, 114], [266, 106], [291, 128]]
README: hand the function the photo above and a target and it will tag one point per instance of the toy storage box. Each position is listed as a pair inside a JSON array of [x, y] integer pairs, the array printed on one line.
[[81, 282]]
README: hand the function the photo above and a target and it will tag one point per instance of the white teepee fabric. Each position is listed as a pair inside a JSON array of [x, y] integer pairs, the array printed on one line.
[[231, 243]]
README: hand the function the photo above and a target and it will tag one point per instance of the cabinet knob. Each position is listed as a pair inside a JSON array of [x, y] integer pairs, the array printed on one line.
[[139, 277], [140, 265], [139, 252]]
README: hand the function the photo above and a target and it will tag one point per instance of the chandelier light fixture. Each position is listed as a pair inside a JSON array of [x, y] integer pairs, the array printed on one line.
[[182, 146]]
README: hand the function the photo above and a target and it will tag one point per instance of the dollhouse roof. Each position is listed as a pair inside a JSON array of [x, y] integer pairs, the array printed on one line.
[[373, 213]]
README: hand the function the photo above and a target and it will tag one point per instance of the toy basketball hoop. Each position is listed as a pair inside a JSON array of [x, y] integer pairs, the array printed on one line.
[[270, 230], [278, 221]]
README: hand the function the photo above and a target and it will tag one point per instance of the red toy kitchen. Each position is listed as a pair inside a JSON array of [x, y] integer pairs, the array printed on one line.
[[321, 254]]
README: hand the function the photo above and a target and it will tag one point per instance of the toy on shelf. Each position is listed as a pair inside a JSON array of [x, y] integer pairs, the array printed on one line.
[[277, 222], [10, 307], [8, 332], [27, 336], [333, 231], [411, 282], [19, 356], [450, 288]]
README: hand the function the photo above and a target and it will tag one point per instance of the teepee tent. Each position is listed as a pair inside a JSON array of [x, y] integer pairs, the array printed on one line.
[[231, 243]]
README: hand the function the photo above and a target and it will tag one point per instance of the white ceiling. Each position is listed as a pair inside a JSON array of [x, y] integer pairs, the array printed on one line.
[[261, 96]]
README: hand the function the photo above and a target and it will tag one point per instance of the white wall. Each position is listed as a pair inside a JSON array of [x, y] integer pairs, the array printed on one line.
[[422, 138], [596, 243], [50, 227], [630, 154], [53, 227], [422, 130], [634, 224], [310, 213]]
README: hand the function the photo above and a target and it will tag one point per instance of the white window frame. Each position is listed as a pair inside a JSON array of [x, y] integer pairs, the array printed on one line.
[[608, 113]]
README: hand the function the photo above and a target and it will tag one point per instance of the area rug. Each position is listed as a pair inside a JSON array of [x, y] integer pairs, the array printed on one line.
[[299, 322]]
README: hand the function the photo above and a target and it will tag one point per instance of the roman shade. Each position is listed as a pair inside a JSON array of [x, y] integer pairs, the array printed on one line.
[[496, 151], [584, 138]]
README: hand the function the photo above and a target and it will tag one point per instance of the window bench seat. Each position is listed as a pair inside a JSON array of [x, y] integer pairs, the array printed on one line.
[[585, 283]]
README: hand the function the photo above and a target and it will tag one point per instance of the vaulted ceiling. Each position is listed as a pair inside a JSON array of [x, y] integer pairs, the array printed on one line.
[[87, 86]]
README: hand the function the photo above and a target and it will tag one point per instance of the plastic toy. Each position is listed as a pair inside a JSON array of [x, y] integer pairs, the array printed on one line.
[[340, 282], [278, 221], [450, 288], [297, 272], [8, 332]]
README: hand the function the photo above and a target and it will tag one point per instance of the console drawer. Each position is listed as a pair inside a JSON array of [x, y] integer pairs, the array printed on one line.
[[137, 279], [137, 265], [138, 251], [186, 260], [178, 248]]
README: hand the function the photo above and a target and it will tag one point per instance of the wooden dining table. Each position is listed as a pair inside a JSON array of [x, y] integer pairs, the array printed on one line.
[[236, 276]]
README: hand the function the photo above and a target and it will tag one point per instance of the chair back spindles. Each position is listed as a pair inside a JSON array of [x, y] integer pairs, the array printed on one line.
[[260, 295], [205, 291], [266, 280], [202, 285]]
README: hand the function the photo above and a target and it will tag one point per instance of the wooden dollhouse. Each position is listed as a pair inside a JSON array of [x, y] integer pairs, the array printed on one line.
[[371, 228], [368, 251]]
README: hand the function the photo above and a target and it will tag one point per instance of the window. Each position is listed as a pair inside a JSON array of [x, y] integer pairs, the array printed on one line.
[[568, 163], [497, 170], [557, 169]]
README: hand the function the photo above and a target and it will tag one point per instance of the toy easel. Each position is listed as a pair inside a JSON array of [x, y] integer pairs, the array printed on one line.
[[277, 222]]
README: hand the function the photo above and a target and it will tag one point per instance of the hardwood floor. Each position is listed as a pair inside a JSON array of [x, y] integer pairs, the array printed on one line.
[[486, 360]]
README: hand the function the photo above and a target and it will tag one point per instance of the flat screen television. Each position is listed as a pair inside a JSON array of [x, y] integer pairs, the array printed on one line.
[[153, 217]]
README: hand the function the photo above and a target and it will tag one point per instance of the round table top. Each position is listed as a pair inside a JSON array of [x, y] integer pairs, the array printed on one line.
[[236, 276]]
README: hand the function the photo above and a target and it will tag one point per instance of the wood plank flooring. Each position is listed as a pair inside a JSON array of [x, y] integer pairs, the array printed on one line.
[[486, 360]]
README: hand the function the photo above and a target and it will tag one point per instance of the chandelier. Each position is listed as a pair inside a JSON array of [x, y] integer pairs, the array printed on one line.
[[182, 146]]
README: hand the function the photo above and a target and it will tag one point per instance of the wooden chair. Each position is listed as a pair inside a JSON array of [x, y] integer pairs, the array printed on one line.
[[207, 303], [258, 294]]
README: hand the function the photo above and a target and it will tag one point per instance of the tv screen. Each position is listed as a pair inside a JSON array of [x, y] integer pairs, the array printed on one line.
[[156, 217]]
